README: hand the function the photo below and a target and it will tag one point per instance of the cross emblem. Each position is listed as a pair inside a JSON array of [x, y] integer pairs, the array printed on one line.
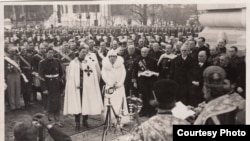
[[88, 71]]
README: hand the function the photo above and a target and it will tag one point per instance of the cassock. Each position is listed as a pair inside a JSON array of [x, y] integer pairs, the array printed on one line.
[[112, 74], [91, 97]]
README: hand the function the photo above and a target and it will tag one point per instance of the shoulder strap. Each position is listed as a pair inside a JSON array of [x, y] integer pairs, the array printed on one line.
[[25, 61]]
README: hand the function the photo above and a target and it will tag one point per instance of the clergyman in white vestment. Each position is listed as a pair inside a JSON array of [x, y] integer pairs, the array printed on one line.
[[82, 92]]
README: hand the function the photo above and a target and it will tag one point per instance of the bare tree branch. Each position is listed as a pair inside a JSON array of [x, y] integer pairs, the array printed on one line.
[[136, 12]]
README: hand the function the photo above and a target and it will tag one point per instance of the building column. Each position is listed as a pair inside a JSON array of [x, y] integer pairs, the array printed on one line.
[[105, 13], [228, 18]]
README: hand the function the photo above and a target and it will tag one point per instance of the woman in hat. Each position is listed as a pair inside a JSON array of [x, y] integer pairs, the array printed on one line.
[[113, 74]]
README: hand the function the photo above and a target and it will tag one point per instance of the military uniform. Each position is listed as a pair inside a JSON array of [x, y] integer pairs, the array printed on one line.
[[155, 55], [165, 65], [51, 71], [13, 80], [26, 88], [129, 65], [145, 84], [36, 81]]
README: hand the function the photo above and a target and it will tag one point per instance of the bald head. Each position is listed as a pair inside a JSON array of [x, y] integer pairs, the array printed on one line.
[[202, 56], [221, 43], [213, 50], [144, 52], [184, 50], [156, 47], [224, 60], [131, 49]]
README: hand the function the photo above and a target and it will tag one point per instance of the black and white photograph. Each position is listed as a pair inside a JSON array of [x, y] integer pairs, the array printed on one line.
[[121, 71]]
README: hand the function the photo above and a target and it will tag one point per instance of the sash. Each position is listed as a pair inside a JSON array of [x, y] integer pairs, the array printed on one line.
[[142, 63], [12, 62], [39, 56], [25, 61]]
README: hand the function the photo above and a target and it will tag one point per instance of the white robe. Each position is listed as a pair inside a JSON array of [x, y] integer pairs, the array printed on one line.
[[91, 99], [92, 58], [111, 75]]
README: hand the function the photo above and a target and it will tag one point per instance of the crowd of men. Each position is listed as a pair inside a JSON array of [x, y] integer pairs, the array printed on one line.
[[149, 54]]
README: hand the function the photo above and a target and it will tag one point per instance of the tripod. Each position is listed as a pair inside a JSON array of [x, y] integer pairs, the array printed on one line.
[[107, 123]]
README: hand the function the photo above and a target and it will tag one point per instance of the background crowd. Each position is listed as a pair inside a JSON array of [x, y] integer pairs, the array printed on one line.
[[150, 54]]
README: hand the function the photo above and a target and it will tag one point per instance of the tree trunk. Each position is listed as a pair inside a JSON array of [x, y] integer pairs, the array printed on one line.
[[145, 16]]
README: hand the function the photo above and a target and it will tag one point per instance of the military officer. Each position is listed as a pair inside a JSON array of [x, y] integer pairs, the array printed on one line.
[[129, 58], [51, 70], [144, 75]]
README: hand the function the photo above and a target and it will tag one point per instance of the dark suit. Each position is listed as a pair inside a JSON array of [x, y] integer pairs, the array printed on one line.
[[231, 73], [204, 48], [196, 74], [180, 72]]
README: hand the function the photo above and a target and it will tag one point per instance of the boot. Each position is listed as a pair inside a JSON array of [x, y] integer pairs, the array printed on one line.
[[85, 123], [77, 128]]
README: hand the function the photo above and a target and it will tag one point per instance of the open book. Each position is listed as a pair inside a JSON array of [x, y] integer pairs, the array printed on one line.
[[181, 111]]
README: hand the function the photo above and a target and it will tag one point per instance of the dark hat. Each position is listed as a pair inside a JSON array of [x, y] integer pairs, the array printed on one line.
[[214, 76], [165, 91]]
